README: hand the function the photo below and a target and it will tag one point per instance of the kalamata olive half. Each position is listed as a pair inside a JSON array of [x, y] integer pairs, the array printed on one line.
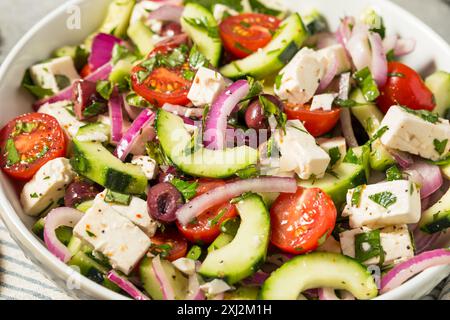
[[163, 200], [78, 192], [255, 117]]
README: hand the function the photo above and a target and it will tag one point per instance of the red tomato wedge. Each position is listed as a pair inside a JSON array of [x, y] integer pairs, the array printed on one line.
[[85, 71], [302, 221], [28, 142], [169, 244], [405, 87], [246, 33], [317, 122], [207, 225]]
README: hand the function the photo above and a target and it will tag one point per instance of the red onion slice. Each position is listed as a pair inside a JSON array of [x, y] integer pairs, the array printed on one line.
[[183, 111], [216, 122], [358, 46], [389, 42], [329, 74], [378, 65], [330, 294], [168, 12], [431, 177], [347, 128], [344, 86], [115, 113], [66, 94], [195, 293], [126, 286], [145, 118], [325, 39], [406, 270], [404, 46], [102, 47], [132, 111], [344, 31], [257, 279], [56, 218], [424, 241], [166, 288], [403, 159], [200, 204]]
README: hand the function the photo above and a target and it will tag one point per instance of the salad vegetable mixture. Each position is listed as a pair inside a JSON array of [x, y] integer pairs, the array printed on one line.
[[235, 150]]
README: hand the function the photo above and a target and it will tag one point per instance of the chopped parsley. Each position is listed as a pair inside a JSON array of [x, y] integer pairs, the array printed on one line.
[[188, 74], [384, 199], [271, 108], [24, 127], [348, 103], [37, 91], [278, 81], [94, 109], [423, 114], [162, 249], [367, 84], [439, 146], [187, 189], [335, 155], [393, 173], [368, 245], [135, 100], [255, 88], [214, 221], [34, 195], [356, 196], [12, 155], [104, 88], [90, 234], [197, 59]]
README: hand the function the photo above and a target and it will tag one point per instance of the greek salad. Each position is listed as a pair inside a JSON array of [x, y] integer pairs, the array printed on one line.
[[235, 150]]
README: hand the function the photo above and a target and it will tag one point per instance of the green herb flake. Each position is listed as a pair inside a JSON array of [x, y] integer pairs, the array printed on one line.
[[278, 81], [351, 157], [356, 196], [271, 109], [423, 114], [94, 109], [194, 252], [393, 173], [37, 91], [384, 199], [116, 197], [12, 155], [249, 172], [335, 155], [197, 59], [348, 103], [367, 84], [104, 88], [368, 245], [34, 195], [90, 234], [214, 221], [440, 145], [62, 81], [162, 249], [188, 74], [187, 189]]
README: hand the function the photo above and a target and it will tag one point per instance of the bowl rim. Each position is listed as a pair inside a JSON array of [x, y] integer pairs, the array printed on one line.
[[25, 237]]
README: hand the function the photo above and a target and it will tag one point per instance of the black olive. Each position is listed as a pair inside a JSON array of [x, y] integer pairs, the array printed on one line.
[[163, 200]]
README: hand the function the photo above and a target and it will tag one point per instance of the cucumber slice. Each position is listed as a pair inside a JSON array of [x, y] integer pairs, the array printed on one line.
[[94, 129], [345, 176], [242, 256], [118, 18], [437, 217], [242, 293], [319, 270], [94, 161], [84, 206], [200, 25], [370, 118], [285, 44], [151, 284], [141, 36], [221, 241], [176, 140], [439, 84]]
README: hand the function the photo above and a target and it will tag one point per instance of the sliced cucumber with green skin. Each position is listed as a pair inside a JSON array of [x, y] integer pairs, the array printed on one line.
[[319, 270], [175, 141], [151, 284], [439, 84], [370, 118], [118, 17], [91, 129], [345, 176], [207, 39], [94, 161], [437, 217], [242, 293], [142, 37], [63, 233], [242, 256], [84, 206], [221, 241], [285, 44]]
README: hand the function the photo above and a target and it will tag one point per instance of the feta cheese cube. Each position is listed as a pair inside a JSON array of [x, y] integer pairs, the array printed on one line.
[[47, 186], [219, 10], [411, 133], [383, 204], [300, 78], [207, 85], [336, 54], [215, 287], [147, 164], [323, 101], [395, 240], [61, 111], [337, 146], [136, 212], [113, 235], [55, 74], [299, 152], [185, 265]]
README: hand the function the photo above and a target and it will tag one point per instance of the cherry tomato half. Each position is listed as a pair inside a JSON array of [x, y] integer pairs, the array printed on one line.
[[162, 84], [170, 244], [302, 221], [207, 225], [28, 142], [317, 122], [246, 33], [405, 87], [85, 71]]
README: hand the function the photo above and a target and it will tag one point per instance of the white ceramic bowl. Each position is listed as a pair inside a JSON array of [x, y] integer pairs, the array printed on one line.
[[52, 32]]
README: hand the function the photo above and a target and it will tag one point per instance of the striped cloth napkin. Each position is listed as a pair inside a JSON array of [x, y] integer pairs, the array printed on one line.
[[21, 279]]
